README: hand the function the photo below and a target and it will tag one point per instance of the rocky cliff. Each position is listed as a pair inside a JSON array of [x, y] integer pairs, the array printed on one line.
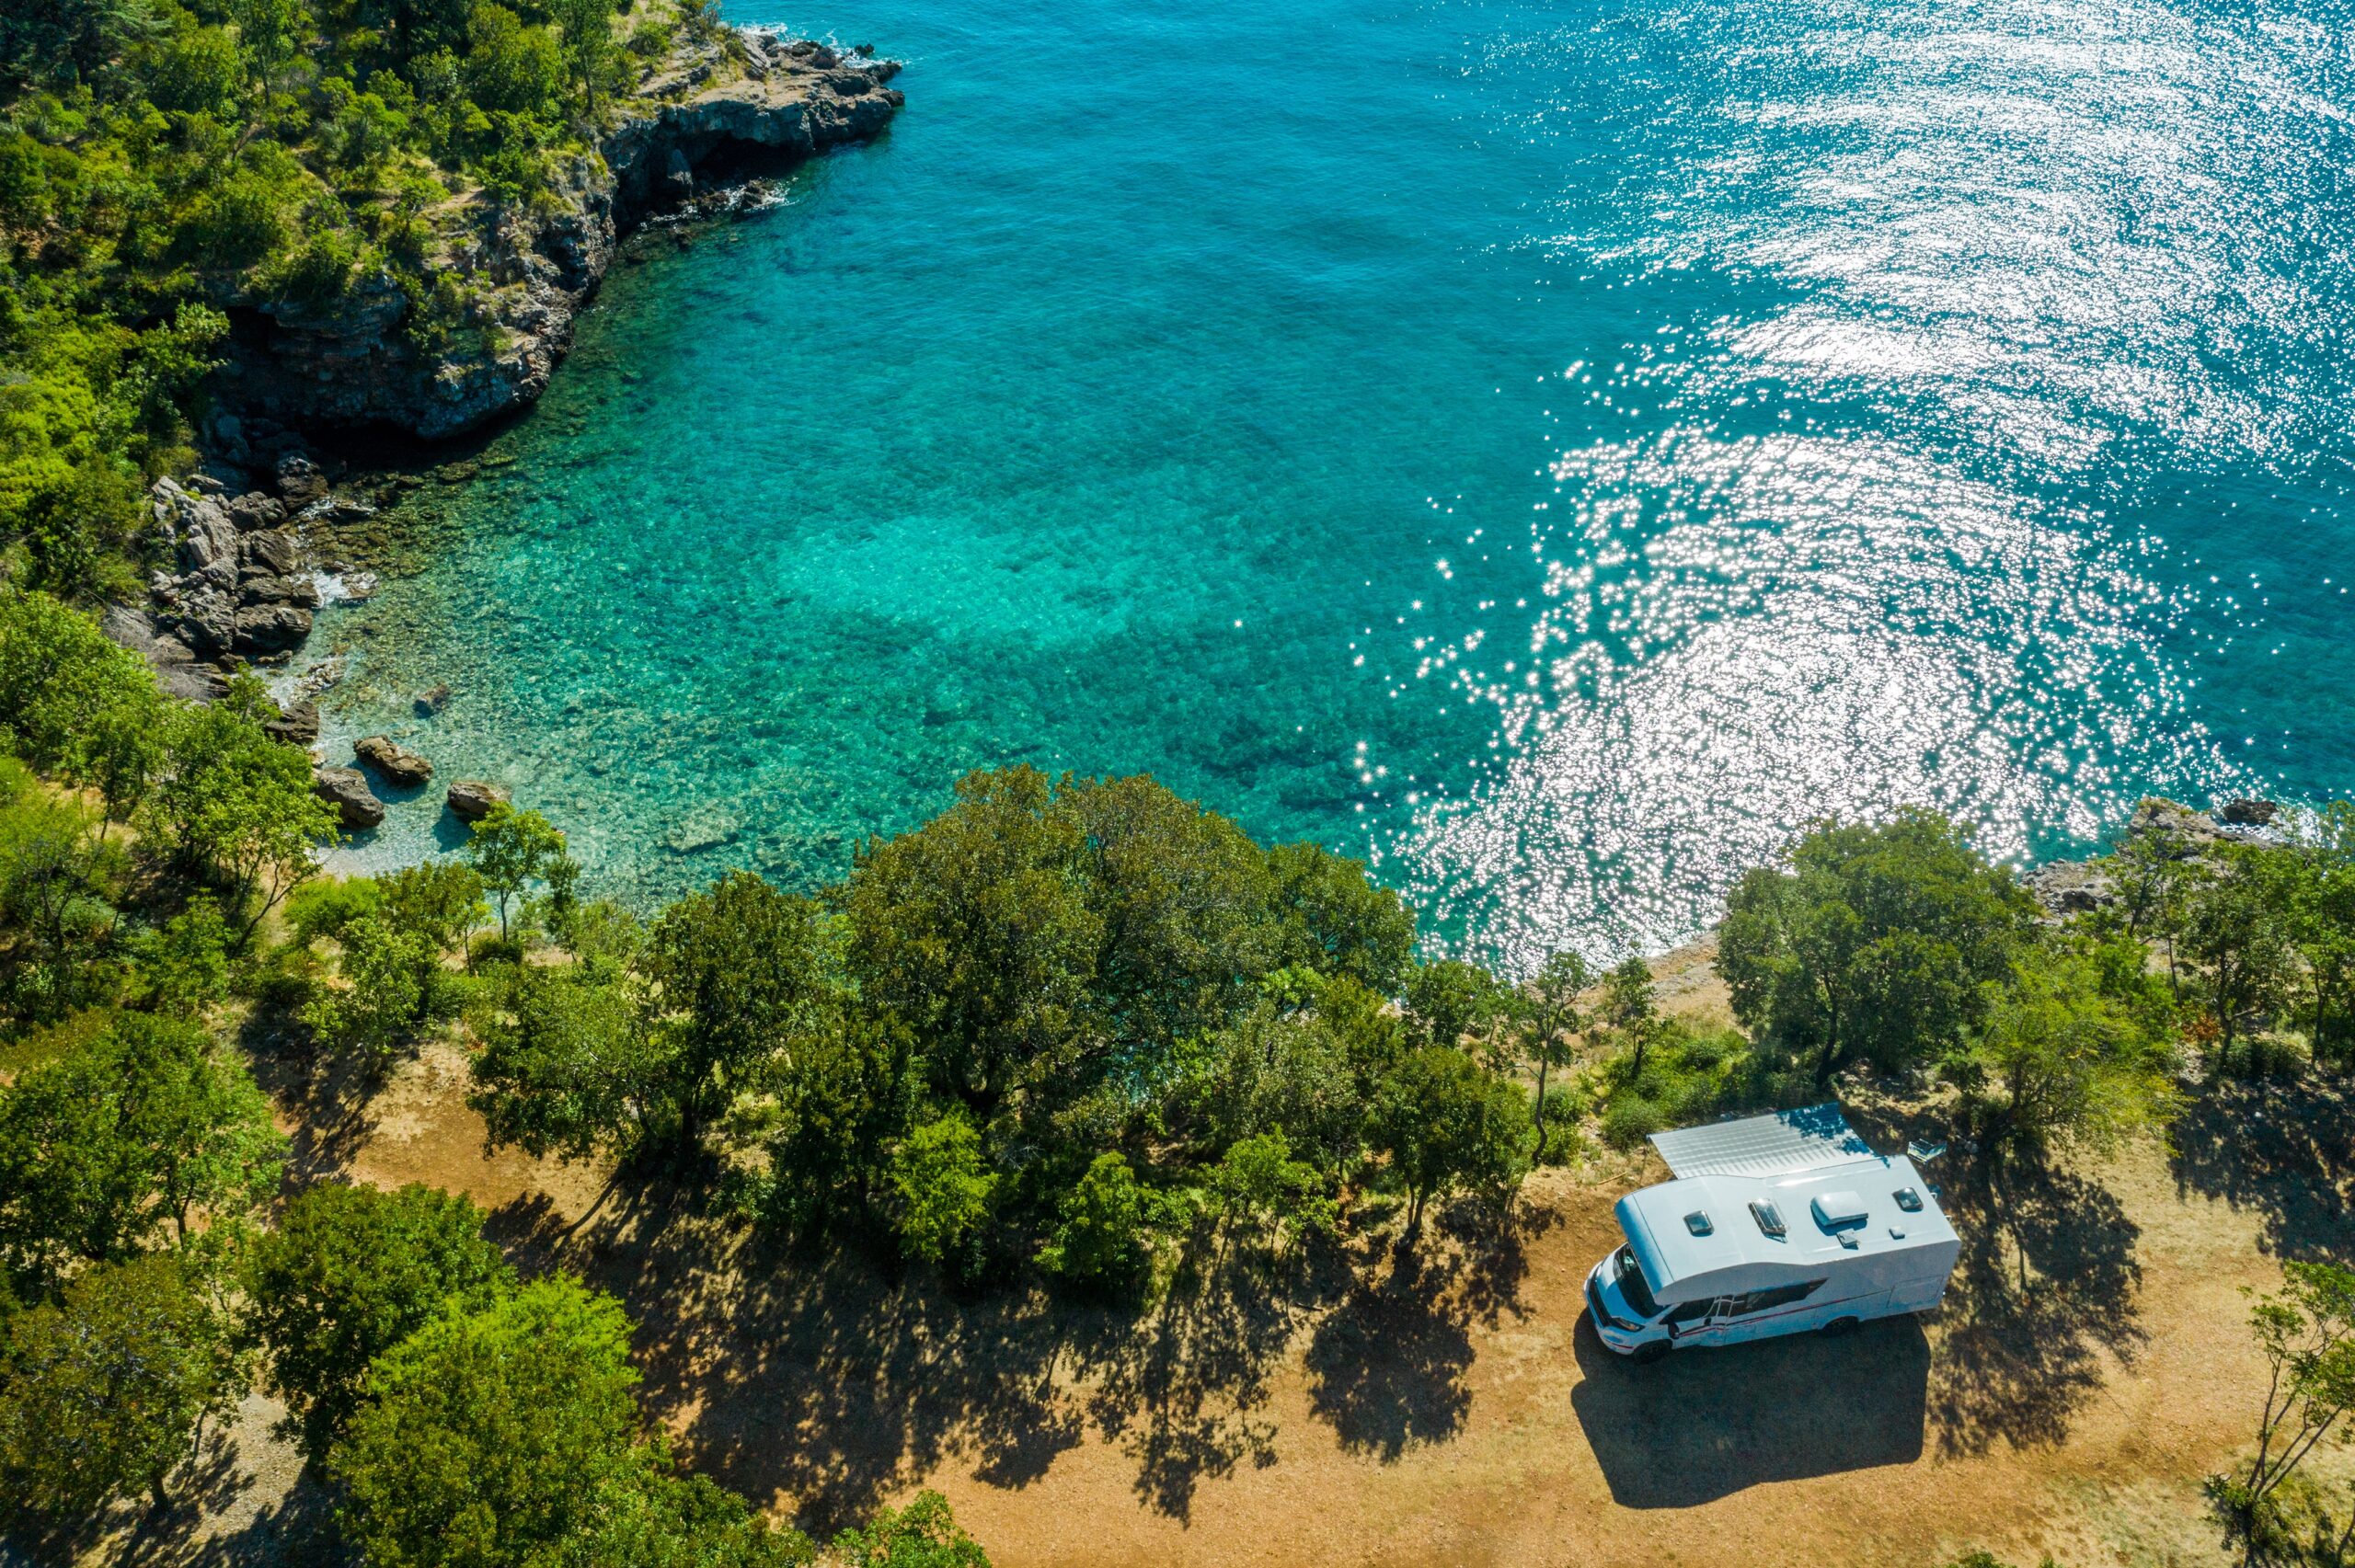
[[513, 276]]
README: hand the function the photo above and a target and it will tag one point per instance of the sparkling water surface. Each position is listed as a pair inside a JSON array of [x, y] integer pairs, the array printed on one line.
[[1553, 450]]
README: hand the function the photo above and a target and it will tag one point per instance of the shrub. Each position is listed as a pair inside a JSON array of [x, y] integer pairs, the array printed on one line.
[[943, 1192], [1102, 1242]]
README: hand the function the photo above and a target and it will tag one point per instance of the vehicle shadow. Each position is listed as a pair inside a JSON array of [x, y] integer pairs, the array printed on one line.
[[1705, 1424]]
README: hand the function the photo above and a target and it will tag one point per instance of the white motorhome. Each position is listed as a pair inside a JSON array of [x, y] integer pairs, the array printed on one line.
[[1774, 1224]]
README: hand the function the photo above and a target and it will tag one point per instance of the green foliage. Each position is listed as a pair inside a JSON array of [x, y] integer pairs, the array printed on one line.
[[943, 1189], [1103, 1241], [350, 1273], [921, 1535], [565, 1068], [58, 883], [123, 1139], [495, 1435], [1262, 1193], [230, 802], [1335, 919], [1451, 1001], [2237, 921], [1446, 1122], [735, 974], [105, 1390], [2306, 1333], [841, 1093], [1876, 942], [511, 850], [184, 969], [384, 996], [2063, 1058], [1274, 1069]]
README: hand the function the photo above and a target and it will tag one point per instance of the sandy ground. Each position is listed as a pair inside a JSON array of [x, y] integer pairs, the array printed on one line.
[[1447, 1407]]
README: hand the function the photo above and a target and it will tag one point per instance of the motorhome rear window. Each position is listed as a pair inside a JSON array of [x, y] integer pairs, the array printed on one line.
[[1908, 1200], [1770, 1218]]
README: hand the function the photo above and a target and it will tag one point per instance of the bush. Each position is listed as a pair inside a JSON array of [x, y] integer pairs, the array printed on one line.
[[943, 1192], [921, 1535], [1102, 1242], [1630, 1119]]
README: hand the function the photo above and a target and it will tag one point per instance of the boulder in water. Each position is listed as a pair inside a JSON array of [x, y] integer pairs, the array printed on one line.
[[355, 803], [470, 800], [401, 768]]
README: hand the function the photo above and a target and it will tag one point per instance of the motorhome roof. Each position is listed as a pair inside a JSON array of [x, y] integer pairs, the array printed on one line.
[[1870, 1207]]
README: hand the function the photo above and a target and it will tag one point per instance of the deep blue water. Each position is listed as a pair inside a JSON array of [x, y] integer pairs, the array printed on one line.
[[1552, 450]]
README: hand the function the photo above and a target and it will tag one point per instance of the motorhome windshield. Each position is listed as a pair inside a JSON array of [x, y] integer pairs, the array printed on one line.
[[1632, 1286]]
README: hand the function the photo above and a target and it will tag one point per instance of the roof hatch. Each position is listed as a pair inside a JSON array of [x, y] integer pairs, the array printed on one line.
[[1838, 1211]]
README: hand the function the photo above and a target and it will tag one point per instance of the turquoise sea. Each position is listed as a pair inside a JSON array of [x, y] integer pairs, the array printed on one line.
[[1551, 450]]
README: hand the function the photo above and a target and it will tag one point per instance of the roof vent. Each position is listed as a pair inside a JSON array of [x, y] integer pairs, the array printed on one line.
[[1698, 1223], [1770, 1220], [1837, 1211], [1908, 1200]]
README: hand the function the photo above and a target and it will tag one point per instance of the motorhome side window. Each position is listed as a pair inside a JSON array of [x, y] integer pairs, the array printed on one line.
[[1780, 1296], [1691, 1311]]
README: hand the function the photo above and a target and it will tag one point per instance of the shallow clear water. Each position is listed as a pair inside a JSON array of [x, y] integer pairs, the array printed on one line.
[[1552, 449]]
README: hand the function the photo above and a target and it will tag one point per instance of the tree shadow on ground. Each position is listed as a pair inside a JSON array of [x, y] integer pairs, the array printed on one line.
[[830, 1380], [2284, 1150], [1705, 1424], [214, 1521], [326, 1099], [1386, 1369], [2046, 1287]]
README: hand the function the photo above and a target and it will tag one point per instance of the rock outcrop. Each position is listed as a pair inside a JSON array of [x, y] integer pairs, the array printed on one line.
[[396, 763], [356, 805], [519, 274]]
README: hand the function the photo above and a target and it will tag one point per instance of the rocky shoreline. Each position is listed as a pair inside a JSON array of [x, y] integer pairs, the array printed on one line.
[[714, 111], [259, 537]]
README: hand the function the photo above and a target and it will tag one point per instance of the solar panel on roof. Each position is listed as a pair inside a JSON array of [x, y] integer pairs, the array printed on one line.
[[1764, 1146]]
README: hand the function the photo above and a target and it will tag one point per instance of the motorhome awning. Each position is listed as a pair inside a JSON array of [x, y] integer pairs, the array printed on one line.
[[1764, 1146]]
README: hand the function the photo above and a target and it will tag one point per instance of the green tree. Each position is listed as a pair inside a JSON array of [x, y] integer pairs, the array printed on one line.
[[229, 799], [1446, 1122], [1263, 1192], [1876, 942], [2236, 926], [1629, 1010], [495, 1437], [673, 1521], [842, 1092], [592, 56], [56, 882], [1333, 918], [2322, 929], [511, 67], [107, 1390], [1551, 1022], [184, 968], [1451, 1001], [735, 974], [1276, 1067], [2059, 1059], [511, 850], [1102, 1242], [943, 1187], [2306, 1333], [59, 674], [350, 1273], [921, 1535], [977, 932], [384, 996], [568, 1068], [133, 1135]]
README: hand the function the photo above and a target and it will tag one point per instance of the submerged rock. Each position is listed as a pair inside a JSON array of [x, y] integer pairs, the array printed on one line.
[[401, 768], [2250, 813], [347, 790], [432, 700], [470, 800]]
